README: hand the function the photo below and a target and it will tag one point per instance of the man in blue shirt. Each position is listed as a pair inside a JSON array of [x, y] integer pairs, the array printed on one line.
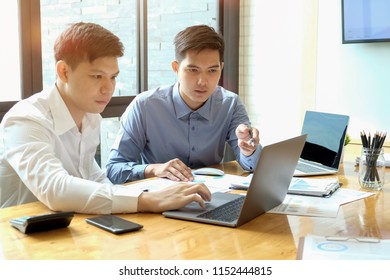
[[170, 130]]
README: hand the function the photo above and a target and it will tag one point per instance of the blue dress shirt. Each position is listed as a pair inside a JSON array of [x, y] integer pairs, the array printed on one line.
[[158, 126]]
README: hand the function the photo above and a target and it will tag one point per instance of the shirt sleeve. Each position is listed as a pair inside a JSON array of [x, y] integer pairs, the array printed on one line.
[[124, 163], [30, 150], [249, 162], [240, 116]]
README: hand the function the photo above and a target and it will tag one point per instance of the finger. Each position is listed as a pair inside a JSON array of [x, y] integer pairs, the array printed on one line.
[[174, 173], [249, 142], [181, 171], [242, 130], [188, 173], [198, 199], [246, 148], [172, 177], [255, 132], [245, 144], [245, 134], [249, 146], [202, 203], [178, 162], [199, 189], [185, 171]]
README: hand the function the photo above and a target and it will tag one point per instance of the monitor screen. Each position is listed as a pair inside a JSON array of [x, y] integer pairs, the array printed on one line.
[[325, 137], [365, 21]]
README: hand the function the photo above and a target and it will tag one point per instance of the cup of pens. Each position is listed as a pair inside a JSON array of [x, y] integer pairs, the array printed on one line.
[[372, 163]]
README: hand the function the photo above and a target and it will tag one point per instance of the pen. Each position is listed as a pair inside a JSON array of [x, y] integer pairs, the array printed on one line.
[[252, 141]]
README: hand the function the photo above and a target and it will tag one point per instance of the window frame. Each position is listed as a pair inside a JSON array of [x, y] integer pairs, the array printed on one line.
[[30, 52], [31, 55]]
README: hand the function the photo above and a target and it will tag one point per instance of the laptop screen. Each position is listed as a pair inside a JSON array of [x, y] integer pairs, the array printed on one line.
[[325, 137]]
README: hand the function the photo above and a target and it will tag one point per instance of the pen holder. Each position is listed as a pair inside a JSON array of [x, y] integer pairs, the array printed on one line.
[[372, 169]]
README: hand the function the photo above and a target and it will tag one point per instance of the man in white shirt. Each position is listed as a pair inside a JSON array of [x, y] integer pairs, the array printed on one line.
[[48, 141]]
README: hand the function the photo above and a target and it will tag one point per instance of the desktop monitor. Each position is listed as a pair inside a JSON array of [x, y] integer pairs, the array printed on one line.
[[365, 21]]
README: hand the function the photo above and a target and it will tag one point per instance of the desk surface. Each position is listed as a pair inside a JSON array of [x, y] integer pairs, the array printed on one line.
[[269, 236]]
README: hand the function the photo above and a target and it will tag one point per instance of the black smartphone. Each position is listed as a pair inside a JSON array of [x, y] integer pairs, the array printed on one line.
[[113, 224]]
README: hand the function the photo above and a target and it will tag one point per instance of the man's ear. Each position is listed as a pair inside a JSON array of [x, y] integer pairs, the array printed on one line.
[[62, 70], [175, 66]]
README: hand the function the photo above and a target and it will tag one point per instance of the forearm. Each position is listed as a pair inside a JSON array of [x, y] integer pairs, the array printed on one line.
[[121, 172], [88, 197]]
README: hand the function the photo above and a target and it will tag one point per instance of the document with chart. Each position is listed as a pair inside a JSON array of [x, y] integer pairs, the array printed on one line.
[[312, 247]]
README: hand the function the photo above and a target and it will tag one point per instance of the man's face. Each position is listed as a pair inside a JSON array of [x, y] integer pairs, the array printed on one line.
[[90, 86], [198, 74]]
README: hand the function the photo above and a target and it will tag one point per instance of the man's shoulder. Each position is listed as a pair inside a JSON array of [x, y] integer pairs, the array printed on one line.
[[35, 107], [223, 94], [159, 94], [147, 100], [31, 105]]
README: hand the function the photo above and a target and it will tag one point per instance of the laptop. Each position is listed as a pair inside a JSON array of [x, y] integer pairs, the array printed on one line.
[[267, 189], [321, 154]]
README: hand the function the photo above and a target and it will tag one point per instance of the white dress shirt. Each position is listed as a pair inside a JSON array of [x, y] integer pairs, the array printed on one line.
[[44, 156]]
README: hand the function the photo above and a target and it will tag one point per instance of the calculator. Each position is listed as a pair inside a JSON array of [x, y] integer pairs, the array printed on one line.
[[42, 222]]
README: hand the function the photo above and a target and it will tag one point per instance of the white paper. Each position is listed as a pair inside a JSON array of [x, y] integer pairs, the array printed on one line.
[[323, 248], [308, 206], [318, 206], [214, 183]]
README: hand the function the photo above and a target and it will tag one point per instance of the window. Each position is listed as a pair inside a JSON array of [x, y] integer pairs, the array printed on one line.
[[19, 23], [146, 28], [165, 19], [9, 55], [117, 16], [124, 18]]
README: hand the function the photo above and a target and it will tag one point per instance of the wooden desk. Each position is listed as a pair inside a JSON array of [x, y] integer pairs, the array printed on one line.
[[269, 236]]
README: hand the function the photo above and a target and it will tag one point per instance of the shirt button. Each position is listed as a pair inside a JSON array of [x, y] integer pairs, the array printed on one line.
[[193, 128], [193, 149]]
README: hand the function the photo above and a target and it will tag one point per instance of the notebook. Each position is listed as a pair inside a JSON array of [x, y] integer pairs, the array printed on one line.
[[325, 142], [267, 189]]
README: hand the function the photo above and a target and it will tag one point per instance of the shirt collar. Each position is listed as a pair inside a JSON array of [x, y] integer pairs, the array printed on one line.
[[62, 119], [182, 108]]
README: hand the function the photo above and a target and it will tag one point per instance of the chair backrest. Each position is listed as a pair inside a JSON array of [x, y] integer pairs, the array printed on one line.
[[229, 154]]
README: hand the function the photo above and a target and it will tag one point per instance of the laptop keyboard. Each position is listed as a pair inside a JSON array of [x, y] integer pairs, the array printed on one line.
[[227, 212], [308, 168]]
